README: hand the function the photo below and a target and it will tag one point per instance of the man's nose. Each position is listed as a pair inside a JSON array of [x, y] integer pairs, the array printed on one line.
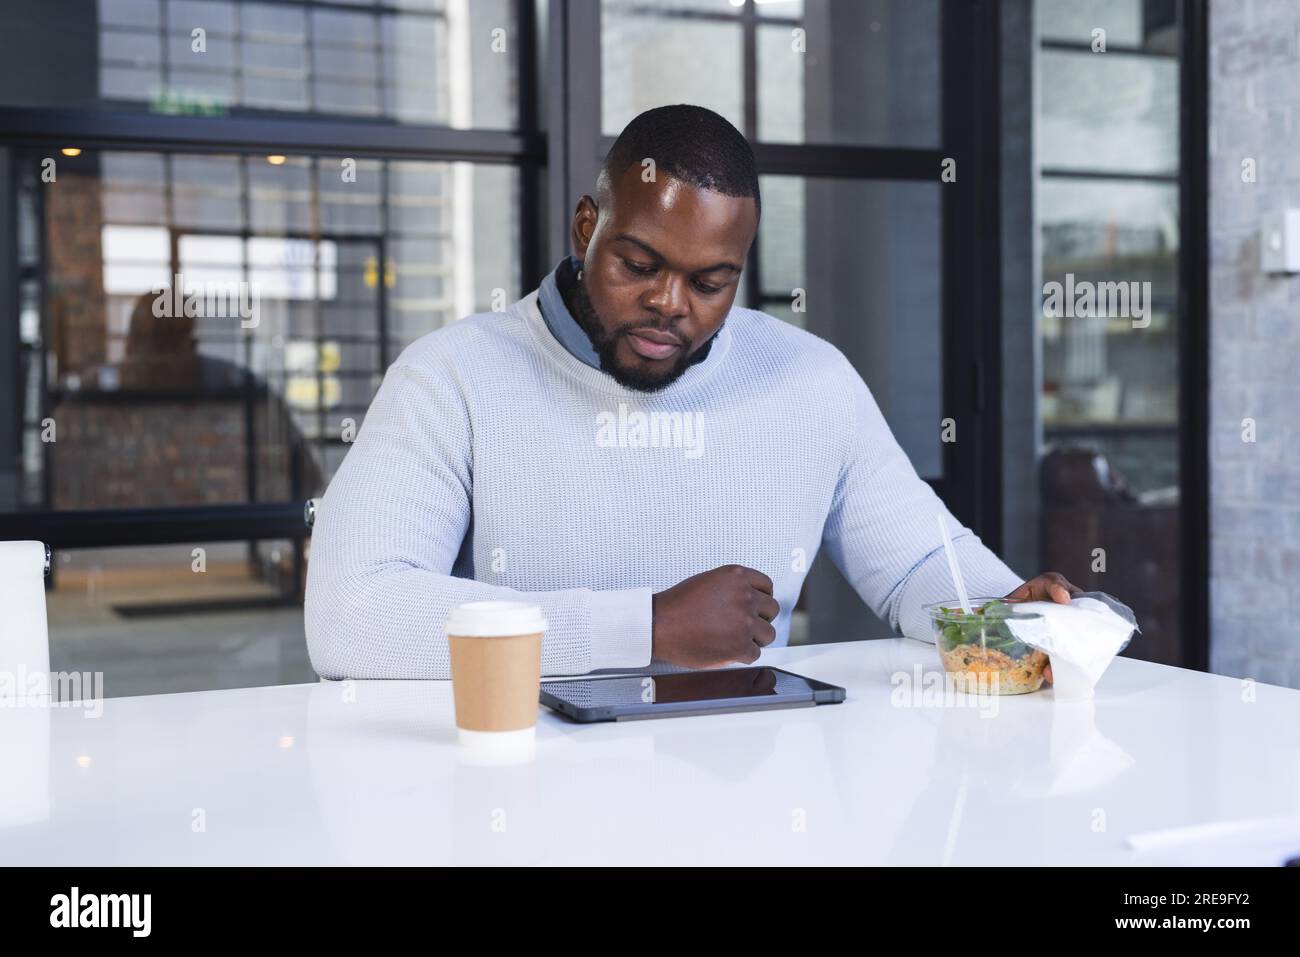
[[667, 297]]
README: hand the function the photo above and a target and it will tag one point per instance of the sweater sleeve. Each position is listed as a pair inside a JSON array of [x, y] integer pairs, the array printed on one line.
[[389, 531], [882, 534]]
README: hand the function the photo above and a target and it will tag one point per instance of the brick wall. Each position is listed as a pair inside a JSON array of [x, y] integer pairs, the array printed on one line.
[[116, 454], [76, 272], [1254, 344], [154, 440]]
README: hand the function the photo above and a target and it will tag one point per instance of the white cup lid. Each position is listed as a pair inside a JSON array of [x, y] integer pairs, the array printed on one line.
[[486, 619]]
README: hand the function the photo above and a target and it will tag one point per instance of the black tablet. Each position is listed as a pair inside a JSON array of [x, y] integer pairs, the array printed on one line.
[[632, 697]]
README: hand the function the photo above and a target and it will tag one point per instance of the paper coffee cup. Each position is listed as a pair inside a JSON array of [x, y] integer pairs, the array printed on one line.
[[496, 671]]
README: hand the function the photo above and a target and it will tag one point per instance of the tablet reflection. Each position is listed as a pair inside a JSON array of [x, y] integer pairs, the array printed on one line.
[[707, 685]]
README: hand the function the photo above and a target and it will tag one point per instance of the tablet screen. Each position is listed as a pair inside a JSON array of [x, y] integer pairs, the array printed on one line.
[[682, 688]]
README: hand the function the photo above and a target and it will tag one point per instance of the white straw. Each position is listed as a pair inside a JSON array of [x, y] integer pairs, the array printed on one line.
[[952, 567]]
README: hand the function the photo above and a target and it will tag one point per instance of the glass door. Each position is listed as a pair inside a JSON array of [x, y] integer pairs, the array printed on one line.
[[867, 120]]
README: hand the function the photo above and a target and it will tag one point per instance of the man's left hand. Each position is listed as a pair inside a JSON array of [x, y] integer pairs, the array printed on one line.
[[1049, 586]]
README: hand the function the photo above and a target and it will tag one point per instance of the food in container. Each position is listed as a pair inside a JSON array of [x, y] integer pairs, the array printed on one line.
[[979, 650]]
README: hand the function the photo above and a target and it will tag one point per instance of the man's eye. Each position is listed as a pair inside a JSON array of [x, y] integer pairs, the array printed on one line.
[[638, 268], [707, 289]]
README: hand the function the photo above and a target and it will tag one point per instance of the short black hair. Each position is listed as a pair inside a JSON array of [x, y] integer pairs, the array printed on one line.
[[688, 143]]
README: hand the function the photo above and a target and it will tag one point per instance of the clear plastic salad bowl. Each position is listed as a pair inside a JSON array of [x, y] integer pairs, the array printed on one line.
[[979, 650]]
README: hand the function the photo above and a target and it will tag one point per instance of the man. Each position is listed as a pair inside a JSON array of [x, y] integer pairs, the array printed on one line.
[[652, 466]]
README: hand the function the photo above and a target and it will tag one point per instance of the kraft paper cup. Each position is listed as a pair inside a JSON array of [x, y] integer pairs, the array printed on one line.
[[496, 672]]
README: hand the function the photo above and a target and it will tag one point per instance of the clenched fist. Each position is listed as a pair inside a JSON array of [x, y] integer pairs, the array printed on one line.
[[715, 618]]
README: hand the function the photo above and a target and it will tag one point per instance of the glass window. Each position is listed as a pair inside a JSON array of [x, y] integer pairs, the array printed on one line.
[[203, 327], [854, 261], [162, 619], [212, 324], [1113, 112], [864, 73], [1110, 483], [1152, 24], [432, 62], [769, 9], [651, 56], [1100, 370], [1076, 19], [850, 73]]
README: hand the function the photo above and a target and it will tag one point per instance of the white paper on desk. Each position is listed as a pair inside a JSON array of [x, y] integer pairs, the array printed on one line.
[[1256, 842], [25, 639]]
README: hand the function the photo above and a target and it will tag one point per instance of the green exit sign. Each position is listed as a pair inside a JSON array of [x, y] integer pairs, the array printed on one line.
[[182, 101]]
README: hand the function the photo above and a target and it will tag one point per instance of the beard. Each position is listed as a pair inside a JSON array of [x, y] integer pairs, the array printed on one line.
[[606, 345]]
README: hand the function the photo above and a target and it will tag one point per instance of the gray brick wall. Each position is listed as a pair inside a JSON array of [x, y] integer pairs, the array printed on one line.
[[1254, 344]]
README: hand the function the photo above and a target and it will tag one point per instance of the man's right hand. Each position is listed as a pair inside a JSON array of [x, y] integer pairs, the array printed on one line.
[[715, 618]]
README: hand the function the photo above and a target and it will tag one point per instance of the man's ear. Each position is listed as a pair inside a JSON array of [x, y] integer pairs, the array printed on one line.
[[584, 226]]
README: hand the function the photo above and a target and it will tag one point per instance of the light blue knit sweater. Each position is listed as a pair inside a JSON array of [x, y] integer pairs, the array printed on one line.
[[495, 464]]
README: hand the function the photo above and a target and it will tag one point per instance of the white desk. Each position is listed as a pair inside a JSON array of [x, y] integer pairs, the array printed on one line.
[[299, 775]]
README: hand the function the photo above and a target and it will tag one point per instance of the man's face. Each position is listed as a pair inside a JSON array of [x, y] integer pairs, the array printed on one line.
[[661, 266]]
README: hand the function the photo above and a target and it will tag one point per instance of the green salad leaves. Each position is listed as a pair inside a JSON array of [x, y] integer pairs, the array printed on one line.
[[986, 626]]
